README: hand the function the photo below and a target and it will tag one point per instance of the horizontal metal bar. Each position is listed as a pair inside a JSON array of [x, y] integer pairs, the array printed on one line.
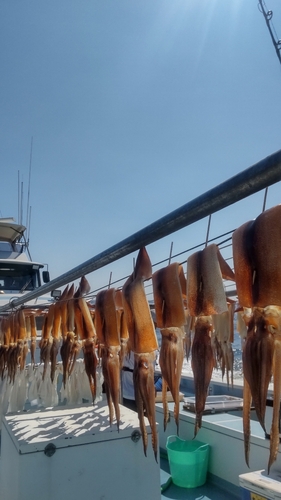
[[249, 181]]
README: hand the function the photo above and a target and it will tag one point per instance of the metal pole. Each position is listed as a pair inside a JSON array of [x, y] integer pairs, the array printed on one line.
[[250, 181]]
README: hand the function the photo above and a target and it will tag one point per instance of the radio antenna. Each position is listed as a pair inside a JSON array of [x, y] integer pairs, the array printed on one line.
[[29, 222], [21, 202], [28, 193], [18, 196]]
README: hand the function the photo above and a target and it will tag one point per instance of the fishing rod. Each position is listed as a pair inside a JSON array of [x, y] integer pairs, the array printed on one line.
[[268, 14]]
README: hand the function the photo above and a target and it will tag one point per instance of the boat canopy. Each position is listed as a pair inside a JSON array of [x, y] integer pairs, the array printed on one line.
[[10, 231]]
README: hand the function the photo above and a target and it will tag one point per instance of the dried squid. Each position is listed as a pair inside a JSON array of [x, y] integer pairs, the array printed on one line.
[[169, 288], [66, 306], [144, 343], [88, 337], [205, 298], [107, 328], [256, 255]]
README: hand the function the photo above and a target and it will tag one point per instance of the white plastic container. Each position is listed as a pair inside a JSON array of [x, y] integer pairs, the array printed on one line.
[[73, 453], [259, 486]]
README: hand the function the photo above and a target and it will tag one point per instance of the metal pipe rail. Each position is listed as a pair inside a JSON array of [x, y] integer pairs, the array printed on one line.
[[249, 181]]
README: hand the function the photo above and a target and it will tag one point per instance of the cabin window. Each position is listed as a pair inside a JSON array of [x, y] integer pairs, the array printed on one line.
[[18, 278]]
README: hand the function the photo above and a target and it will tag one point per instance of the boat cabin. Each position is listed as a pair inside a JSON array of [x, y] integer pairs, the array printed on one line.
[[18, 273]]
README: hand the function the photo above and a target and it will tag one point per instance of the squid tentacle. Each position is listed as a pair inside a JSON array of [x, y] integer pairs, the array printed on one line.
[[91, 362], [111, 373], [247, 400], [165, 403], [274, 433], [202, 366], [144, 387], [171, 361]]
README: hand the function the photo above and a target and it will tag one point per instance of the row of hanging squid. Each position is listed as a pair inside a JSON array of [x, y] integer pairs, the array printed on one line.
[[257, 275], [194, 317]]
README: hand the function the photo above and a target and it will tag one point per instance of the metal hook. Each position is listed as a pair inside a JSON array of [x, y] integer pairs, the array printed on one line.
[[264, 199], [208, 230], [170, 256], [109, 283]]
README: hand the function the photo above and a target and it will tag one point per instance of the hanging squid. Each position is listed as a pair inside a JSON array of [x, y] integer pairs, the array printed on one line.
[[108, 334], [33, 337], [22, 340], [56, 337], [123, 329], [11, 358], [45, 343], [69, 322], [256, 248], [4, 324], [67, 328], [169, 288], [88, 337], [189, 332], [144, 343], [222, 339], [202, 363], [7, 336], [82, 290], [205, 298]]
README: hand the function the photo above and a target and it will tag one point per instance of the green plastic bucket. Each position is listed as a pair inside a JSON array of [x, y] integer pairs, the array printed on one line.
[[188, 462]]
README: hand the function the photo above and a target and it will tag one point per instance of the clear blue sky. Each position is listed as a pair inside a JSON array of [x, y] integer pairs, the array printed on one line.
[[135, 108]]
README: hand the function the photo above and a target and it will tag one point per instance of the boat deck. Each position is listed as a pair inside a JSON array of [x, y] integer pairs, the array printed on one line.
[[212, 490], [223, 431], [83, 434]]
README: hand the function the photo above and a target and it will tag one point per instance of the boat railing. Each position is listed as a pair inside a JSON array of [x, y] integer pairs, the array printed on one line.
[[252, 180]]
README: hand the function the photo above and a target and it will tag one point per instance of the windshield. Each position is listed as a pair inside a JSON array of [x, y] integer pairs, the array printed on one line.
[[18, 277]]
